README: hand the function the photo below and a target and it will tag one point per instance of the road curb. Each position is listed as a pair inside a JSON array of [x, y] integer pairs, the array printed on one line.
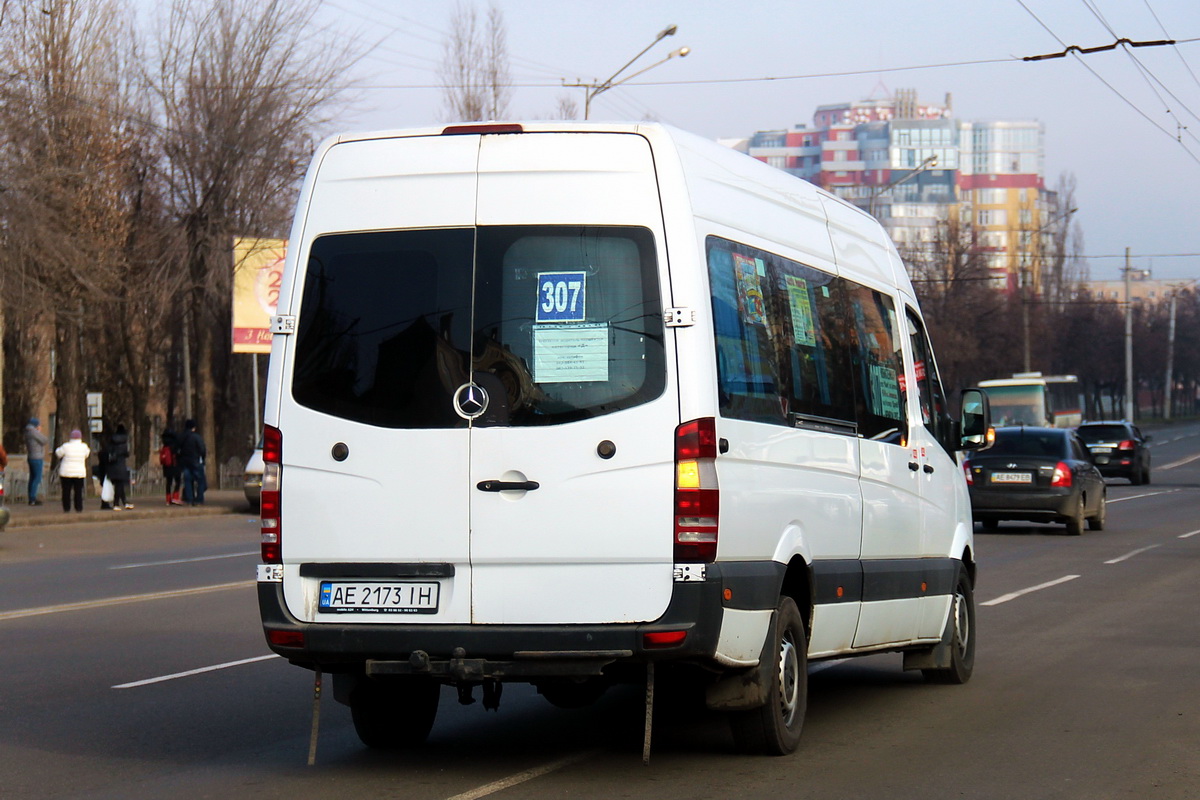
[[44, 520]]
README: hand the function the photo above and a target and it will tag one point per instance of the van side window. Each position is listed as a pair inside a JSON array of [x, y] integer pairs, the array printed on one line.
[[781, 337], [878, 365], [934, 413]]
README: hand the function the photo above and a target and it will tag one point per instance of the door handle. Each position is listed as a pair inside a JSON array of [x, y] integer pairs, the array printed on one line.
[[928, 469], [914, 466], [507, 486]]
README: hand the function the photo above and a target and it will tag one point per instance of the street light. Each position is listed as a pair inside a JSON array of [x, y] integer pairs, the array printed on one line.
[[927, 164], [603, 86]]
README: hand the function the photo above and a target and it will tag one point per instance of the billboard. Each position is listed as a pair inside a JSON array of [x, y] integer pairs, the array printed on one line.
[[257, 272]]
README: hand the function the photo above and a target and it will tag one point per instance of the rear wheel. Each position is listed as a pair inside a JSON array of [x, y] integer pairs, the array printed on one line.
[[1096, 523], [1146, 474], [774, 728], [1075, 521], [1137, 476], [959, 635], [990, 524], [391, 714]]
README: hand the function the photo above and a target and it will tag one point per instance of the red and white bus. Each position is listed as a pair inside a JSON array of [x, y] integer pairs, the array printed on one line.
[[1031, 398]]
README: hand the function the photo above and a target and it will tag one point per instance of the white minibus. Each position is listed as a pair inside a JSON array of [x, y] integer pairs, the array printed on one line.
[[575, 404]]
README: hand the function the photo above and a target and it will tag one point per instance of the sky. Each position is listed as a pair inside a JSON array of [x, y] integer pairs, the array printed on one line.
[[1124, 122]]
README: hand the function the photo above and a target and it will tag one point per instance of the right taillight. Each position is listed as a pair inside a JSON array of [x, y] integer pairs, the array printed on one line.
[[1062, 475], [697, 498], [1126, 445], [270, 501]]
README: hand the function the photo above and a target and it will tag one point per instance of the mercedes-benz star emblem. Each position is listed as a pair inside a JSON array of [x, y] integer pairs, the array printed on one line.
[[470, 400]]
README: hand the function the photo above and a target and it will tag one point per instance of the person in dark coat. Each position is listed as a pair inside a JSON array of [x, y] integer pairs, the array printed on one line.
[[168, 458], [117, 468], [192, 453]]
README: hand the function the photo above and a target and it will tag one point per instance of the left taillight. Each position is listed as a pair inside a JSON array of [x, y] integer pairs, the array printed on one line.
[[697, 498], [1062, 475], [270, 500]]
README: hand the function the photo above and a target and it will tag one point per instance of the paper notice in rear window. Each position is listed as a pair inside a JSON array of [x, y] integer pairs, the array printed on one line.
[[570, 353]]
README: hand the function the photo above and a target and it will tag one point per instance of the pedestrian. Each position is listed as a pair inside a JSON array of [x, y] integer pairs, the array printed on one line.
[[168, 457], [35, 449], [100, 476], [117, 469], [72, 469], [192, 453]]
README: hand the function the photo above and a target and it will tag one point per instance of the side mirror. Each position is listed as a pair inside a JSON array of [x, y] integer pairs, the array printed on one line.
[[976, 432]]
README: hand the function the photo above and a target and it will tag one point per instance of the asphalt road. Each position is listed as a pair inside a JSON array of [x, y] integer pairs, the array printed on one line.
[[133, 666]]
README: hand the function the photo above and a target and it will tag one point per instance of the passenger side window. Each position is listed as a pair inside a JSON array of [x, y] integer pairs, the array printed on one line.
[[878, 366], [934, 413], [781, 334]]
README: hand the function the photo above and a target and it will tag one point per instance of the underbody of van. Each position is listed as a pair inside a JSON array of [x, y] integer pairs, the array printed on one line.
[[570, 403]]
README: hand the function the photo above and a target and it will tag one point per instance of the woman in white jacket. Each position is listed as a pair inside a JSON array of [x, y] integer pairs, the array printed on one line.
[[72, 469]]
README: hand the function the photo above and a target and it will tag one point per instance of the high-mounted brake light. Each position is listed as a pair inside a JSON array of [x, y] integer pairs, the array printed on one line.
[[460, 130], [697, 497], [270, 495], [1062, 475]]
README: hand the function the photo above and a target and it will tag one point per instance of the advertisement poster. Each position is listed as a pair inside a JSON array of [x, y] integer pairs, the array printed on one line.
[[257, 274], [750, 294], [802, 316]]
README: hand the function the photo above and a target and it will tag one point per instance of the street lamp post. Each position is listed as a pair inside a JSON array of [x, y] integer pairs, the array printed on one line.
[[596, 88], [927, 164]]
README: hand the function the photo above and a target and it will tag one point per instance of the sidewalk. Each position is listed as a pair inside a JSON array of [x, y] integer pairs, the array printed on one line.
[[225, 501]]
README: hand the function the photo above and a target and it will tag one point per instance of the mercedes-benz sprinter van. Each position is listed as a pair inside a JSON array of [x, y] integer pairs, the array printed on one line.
[[559, 403]]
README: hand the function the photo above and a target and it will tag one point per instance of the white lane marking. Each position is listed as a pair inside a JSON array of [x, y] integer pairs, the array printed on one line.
[[1140, 496], [185, 560], [522, 777], [1130, 555], [191, 672], [1188, 535], [116, 601], [1180, 462], [1004, 598]]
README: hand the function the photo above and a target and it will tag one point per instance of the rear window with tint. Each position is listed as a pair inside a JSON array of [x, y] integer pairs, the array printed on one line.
[[1030, 442], [555, 323], [1104, 433]]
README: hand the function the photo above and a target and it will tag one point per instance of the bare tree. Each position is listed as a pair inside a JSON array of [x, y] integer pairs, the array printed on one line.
[[62, 163], [242, 85], [475, 76]]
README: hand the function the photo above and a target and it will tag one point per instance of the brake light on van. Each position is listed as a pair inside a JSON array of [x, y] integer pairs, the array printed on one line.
[[1062, 476], [269, 498], [697, 498]]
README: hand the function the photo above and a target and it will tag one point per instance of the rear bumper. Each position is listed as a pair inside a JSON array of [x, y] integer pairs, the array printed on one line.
[[519, 652], [1045, 505]]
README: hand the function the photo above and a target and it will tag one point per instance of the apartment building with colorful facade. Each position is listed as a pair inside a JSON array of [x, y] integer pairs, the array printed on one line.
[[914, 166]]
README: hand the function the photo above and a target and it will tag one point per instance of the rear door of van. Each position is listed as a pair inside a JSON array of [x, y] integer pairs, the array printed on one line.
[[479, 387]]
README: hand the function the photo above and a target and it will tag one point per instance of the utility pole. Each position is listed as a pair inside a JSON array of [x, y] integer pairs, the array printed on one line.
[[1170, 359], [1128, 344]]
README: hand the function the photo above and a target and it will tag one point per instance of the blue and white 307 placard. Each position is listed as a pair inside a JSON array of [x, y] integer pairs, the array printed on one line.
[[562, 297]]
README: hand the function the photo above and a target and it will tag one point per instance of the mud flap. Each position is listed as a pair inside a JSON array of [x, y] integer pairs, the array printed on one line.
[[744, 689], [940, 656]]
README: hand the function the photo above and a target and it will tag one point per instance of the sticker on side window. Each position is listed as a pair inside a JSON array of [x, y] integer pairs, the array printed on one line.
[[561, 297]]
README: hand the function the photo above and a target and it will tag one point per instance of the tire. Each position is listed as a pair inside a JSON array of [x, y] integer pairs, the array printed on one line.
[[959, 635], [393, 714], [1075, 521], [1137, 476], [1146, 474], [1096, 523], [990, 524], [774, 728]]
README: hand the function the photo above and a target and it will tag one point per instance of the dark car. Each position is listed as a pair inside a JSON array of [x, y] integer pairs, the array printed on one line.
[[1036, 475], [1118, 449]]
